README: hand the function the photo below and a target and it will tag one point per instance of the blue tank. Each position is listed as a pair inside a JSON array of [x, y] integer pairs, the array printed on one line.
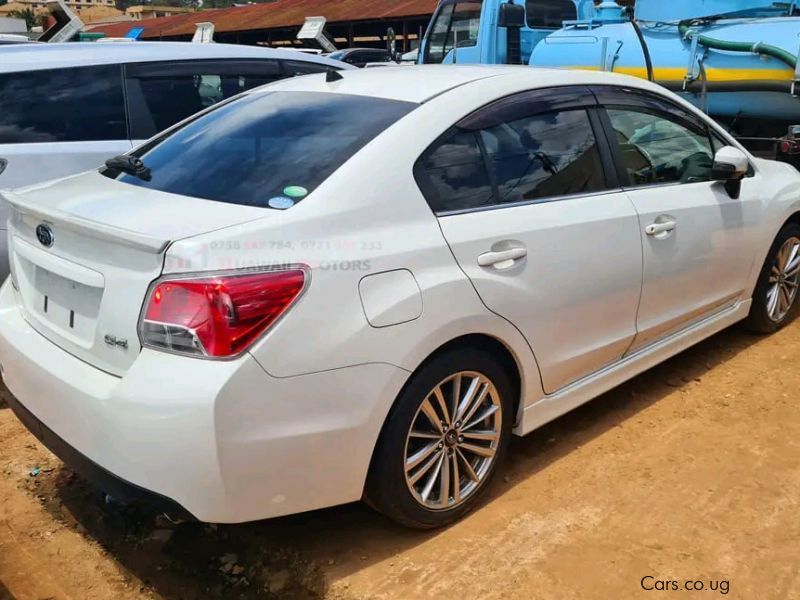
[[736, 59]]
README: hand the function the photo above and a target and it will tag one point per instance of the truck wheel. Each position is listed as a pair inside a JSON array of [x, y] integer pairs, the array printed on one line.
[[443, 440], [775, 296]]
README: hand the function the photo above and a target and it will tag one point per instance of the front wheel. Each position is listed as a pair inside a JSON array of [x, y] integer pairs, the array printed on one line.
[[443, 440], [775, 297]]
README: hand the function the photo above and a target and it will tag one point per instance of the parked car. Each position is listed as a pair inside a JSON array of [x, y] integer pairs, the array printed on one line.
[[361, 57], [257, 313], [69, 107]]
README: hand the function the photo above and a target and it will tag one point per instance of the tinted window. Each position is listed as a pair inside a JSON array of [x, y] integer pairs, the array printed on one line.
[[455, 23], [62, 105], [454, 174], [660, 149], [550, 14], [551, 154], [162, 94], [543, 156], [265, 149]]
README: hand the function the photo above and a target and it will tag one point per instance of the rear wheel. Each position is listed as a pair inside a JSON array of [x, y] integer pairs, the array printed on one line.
[[775, 297], [443, 440]]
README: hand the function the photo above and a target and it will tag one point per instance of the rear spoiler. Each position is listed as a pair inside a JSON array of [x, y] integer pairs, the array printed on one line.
[[87, 227]]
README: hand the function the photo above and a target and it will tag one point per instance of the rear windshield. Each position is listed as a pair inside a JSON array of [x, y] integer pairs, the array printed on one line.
[[268, 149]]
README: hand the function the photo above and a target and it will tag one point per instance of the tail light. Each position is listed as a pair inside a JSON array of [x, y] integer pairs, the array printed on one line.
[[217, 316]]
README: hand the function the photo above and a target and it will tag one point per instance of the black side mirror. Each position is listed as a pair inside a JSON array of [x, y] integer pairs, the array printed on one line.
[[511, 15]]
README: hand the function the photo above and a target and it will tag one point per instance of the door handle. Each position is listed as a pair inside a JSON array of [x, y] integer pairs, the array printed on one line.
[[660, 227], [502, 259]]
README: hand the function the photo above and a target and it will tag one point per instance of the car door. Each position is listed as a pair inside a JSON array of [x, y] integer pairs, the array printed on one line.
[[696, 238], [527, 199], [57, 122]]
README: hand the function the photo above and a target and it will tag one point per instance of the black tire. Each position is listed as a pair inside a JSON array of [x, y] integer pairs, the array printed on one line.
[[387, 489], [759, 319]]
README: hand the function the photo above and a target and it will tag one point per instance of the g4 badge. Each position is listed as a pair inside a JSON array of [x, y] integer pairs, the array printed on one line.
[[113, 340]]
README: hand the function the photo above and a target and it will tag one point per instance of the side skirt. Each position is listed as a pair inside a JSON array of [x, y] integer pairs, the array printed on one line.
[[580, 392]]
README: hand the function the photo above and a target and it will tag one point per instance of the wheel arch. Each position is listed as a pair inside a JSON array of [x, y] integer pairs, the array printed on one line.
[[510, 361]]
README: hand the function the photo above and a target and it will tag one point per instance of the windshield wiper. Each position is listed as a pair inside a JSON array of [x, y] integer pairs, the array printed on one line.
[[131, 165]]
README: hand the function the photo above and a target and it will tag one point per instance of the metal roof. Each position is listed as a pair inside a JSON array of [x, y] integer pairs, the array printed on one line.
[[273, 15]]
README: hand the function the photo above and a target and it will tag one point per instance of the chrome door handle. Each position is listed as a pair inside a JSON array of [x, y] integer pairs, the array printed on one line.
[[503, 259], [660, 227]]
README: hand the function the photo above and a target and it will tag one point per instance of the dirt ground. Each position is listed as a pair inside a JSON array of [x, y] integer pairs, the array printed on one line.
[[690, 472]]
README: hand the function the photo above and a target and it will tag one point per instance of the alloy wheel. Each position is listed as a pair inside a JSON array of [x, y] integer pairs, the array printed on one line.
[[453, 440], [783, 280]]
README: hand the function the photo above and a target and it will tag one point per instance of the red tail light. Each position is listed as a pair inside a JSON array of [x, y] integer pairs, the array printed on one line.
[[218, 315]]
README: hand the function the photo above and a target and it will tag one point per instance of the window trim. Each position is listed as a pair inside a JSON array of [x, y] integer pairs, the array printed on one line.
[[532, 103]]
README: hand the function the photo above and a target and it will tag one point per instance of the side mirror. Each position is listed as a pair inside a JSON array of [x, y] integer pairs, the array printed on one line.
[[511, 15], [730, 166]]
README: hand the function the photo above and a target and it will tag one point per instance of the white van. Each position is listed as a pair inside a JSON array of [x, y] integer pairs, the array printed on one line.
[[66, 108]]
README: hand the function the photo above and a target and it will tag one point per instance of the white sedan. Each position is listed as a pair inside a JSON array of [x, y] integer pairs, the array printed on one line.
[[360, 285]]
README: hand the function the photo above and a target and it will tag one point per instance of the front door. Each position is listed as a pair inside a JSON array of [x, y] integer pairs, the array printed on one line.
[[695, 237], [540, 228]]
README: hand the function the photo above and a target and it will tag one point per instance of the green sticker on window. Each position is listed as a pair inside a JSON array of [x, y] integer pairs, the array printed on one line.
[[295, 191]]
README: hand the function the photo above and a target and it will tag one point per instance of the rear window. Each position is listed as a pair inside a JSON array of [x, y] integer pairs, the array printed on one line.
[[267, 149]]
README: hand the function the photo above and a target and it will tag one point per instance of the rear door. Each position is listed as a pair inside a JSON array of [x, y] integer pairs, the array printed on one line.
[[696, 238], [527, 199]]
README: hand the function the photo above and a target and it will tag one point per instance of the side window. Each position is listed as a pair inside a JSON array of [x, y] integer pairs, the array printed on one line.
[[51, 105], [456, 23], [658, 149], [162, 94], [547, 155], [550, 14], [453, 174], [294, 68]]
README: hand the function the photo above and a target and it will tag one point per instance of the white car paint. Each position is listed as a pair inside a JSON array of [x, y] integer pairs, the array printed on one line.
[[291, 424]]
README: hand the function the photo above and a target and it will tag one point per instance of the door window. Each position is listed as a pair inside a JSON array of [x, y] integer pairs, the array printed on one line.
[[548, 155], [660, 149], [62, 105], [456, 23], [162, 94], [550, 14]]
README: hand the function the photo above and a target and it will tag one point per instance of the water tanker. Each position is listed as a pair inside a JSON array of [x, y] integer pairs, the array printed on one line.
[[735, 59]]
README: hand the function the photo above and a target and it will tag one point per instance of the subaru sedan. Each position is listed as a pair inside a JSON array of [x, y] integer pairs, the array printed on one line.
[[360, 285]]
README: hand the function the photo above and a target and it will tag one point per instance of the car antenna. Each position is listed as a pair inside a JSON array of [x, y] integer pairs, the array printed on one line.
[[333, 75]]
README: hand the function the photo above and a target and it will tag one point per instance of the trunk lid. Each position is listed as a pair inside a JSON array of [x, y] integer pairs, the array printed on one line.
[[84, 286]]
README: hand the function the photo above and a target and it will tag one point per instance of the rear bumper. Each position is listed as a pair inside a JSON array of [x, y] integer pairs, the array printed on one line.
[[94, 473], [220, 440]]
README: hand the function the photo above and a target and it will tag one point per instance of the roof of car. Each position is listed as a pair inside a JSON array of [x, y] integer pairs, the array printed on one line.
[[422, 82], [29, 57]]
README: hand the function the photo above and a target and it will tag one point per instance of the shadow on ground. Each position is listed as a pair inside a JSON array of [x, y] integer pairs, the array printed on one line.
[[294, 557]]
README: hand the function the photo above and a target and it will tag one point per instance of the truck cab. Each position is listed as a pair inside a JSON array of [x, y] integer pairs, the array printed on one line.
[[495, 31]]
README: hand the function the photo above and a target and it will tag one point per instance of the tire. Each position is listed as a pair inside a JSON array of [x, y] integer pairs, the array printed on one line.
[[766, 316], [452, 447]]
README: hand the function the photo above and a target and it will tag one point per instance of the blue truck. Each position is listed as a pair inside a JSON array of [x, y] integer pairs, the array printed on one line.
[[735, 59]]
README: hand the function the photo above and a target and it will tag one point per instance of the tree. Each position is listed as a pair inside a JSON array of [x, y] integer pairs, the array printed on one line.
[[31, 20]]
